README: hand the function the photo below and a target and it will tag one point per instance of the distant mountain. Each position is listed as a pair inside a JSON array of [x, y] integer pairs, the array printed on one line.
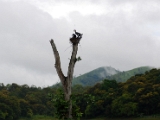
[[99, 74], [93, 77], [125, 75]]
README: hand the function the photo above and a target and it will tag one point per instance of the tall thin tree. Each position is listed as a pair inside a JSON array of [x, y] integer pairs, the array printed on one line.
[[67, 80]]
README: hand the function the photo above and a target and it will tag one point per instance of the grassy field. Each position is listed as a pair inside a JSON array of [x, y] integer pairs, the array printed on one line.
[[144, 118], [39, 117]]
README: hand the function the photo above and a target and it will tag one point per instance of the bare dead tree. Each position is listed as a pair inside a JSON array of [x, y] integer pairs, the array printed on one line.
[[67, 80]]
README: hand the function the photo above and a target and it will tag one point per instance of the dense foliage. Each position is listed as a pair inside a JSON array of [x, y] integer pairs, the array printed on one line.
[[24, 101], [138, 96]]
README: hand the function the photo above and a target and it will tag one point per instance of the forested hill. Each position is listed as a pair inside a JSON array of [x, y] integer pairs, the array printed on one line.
[[125, 75], [94, 76], [97, 75], [138, 96]]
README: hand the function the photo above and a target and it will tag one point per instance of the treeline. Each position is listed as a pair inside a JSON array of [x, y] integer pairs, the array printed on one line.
[[23, 101], [139, 96]]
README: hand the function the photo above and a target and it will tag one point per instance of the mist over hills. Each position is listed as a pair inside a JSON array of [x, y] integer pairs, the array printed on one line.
[[94, 76], [97, 75], [110, 73], [125, 75]]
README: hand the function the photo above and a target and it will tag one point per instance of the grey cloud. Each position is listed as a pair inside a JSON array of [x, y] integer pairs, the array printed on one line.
[[25, 34], [14, 74], [119, 39]]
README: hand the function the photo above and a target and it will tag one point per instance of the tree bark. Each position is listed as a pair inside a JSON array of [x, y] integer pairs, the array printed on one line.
[[66, 81]]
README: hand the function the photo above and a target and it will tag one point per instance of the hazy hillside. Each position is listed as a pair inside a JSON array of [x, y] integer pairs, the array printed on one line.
[[91, 78], [125, 75], [139, 94], [97, 75]]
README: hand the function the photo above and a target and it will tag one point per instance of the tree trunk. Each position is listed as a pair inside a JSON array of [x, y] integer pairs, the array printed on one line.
[[66, 81]]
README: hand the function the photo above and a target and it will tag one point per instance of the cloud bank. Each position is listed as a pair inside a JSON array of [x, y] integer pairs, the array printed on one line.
[[122, 34]]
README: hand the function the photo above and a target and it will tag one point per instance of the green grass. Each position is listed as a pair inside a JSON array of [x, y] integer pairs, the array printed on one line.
[[41, 117], [144, 118]]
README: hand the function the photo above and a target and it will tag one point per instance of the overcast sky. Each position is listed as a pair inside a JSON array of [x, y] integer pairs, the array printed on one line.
[[124, 34]]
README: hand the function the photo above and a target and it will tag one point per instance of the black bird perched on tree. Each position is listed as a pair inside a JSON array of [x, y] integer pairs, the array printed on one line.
[[79, 35], [73, 36]]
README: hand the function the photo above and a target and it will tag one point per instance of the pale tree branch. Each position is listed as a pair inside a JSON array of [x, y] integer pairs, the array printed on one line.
[[57, 62]]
